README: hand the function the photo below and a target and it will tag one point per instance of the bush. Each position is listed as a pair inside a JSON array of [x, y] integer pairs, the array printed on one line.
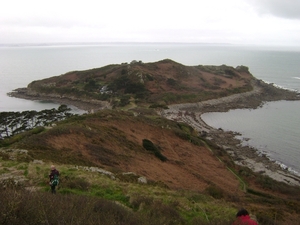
[[163, 106], [171, 82], [160, 213], [75, 183], [139, 201], [148, 145], [214, 191]]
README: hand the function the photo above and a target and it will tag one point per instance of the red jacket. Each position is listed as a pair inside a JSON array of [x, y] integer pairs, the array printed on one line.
[[244, 220]]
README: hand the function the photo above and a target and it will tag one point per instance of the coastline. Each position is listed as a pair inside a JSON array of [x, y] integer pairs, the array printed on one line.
[[190, 113], [86, 105], [241, 155]]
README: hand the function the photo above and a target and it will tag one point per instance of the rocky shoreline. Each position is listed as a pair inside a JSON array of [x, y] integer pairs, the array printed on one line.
[[86, 105], [242, 155], [191, 113]]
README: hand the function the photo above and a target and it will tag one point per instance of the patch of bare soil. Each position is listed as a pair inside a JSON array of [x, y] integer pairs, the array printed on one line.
[[188, 167]]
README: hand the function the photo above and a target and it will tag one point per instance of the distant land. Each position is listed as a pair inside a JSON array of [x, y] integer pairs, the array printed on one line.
[[161, 83]]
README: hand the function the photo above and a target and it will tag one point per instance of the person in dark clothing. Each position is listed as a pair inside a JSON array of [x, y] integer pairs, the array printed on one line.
[[54, 179], [243, 218]]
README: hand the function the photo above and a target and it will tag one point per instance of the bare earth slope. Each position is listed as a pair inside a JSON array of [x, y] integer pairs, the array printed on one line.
[[113, 141]]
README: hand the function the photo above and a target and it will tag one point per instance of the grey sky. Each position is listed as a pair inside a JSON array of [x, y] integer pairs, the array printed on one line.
[[289, 9], [262, 22]]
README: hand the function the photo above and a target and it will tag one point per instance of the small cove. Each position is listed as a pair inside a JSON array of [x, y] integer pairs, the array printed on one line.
[[272, 129]]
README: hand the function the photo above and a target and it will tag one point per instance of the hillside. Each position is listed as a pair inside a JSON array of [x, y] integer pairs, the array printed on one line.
[[112, 141], [153, 131], [163, 82]]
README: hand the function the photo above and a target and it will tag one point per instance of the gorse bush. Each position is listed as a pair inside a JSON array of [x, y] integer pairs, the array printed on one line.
[[148, 145]]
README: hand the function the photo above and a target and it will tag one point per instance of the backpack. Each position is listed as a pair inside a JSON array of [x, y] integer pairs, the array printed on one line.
[[55, 180]]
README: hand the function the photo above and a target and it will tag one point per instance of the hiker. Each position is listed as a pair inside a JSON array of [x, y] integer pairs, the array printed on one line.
[[54, 179], [243, 218]]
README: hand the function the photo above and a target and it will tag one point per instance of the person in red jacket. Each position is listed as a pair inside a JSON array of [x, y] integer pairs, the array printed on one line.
[[243, 218], [54, 179]]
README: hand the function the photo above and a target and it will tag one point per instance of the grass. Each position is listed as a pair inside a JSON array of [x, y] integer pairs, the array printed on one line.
[[150, 202], [78, 186]]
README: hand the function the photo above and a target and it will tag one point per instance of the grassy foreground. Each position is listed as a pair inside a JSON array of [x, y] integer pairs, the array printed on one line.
[[86, 197]]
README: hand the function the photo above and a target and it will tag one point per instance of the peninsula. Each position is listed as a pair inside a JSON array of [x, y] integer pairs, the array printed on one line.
[[145, 126], [175, 91]]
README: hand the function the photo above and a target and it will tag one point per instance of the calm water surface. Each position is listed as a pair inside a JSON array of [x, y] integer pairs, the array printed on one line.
[[272, 129]]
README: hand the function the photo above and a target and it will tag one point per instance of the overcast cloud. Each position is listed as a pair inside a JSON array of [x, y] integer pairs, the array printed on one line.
[[262, 22], [289, 9]]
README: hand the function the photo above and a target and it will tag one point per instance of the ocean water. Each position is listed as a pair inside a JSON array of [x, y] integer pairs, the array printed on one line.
[[273, 129]]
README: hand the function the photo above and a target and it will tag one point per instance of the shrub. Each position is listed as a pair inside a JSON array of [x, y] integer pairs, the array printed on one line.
[[230, 72], [148, 145], [114, 214], [214, 191], [171, 82], [139, 201], [91, 86], [75, 183], [4, 156], [163, 106], [160, 213]]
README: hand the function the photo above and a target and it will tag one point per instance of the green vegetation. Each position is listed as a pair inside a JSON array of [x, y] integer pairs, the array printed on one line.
[[171, 98], [12, 123], [87, 198], [150, 83], [124, 84], [90, 197]]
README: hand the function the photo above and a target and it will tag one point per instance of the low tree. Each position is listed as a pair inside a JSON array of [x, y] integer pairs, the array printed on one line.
[[12, 123]]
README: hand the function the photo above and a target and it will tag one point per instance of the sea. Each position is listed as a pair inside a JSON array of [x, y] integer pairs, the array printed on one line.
[[273, 129]]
